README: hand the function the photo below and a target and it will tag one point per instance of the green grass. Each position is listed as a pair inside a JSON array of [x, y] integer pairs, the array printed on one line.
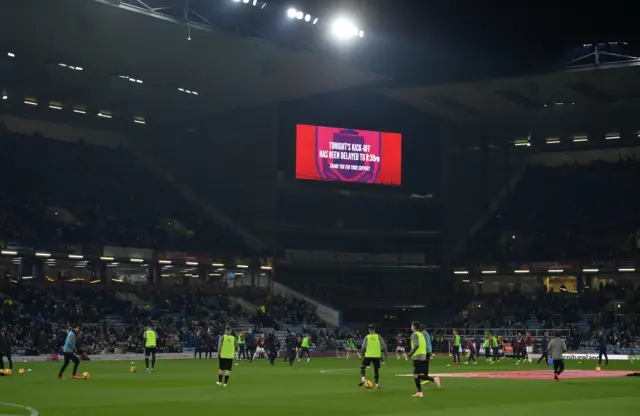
[[185, 387]]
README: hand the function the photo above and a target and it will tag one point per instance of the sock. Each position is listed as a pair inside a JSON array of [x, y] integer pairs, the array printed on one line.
[[226, 379], [418, 385], [153, 363], [376, 376], [362, 371], [146, 363], [219, 378]]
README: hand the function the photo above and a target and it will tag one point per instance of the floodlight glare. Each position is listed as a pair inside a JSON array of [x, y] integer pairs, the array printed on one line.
[[299, 15], [315, 20], [307, 17], [245, 1], [361, 34], [291, 13], [343, 29]]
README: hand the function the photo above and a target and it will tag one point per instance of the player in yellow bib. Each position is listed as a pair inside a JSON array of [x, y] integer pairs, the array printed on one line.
[[372, 347], [150, 348], [227, 347]]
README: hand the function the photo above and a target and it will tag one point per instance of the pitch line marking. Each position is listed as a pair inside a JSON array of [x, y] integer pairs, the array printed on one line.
[[31, 410]]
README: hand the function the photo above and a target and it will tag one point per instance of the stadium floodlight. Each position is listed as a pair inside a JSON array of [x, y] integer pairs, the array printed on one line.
[[217, 264], [299, 15], [242, 266], [343, 29], [264, 5], [315, 20], [55, 107], [76, 256], [9, 253], [255, 2], [43, 254], [361, 33], [590, 270], [30, 102], [5, 96], [245, 1], [104, 115], [307, 17], [460, 272], [291, 13], [11, 54]]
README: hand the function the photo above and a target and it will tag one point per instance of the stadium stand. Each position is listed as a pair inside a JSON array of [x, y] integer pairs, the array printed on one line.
[[76, 193]]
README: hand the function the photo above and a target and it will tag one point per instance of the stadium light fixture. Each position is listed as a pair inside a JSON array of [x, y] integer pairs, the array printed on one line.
[[134, 260], [9, 253], [307, 17], [521, 271], [555, 270], [11, 54], [264, 5], [79, 111], [55, 107], [553, 140], [5, 96], [466, 281], [489, 272], [164, 261], [242, 266], [460, 272], [236, 1], [627, 269], [31, 102], [344, 29], [291, 13], [76, 256], [43, 254], [266, 268], [612, 136], [245, 1], [217, 264], [255, 2], [590, 270], [580, 138], [315, 20], [191, 263], [299, 15], [106, 258], [104, 115]]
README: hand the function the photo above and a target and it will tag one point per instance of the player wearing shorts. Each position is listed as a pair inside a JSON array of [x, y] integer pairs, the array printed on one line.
[[305, 346], [227, 347], [260, 351], [544, 349], [419, 354], [372, 347], [242, 345], [68, 352], [150, 348], [401, 343]]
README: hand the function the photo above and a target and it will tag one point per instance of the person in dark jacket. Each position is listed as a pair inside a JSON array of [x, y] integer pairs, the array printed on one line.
[[6, 345], [273, 344]]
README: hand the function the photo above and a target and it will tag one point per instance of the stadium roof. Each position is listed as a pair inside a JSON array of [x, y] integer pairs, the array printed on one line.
[[226, 71], [521, 99]]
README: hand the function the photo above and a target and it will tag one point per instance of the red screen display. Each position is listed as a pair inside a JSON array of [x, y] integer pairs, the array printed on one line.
[[347, 155]]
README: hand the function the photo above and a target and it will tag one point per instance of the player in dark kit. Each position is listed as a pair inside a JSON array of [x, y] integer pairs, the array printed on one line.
[[273, 345], [602, 349], [292, 345], [199, 341], [6, 345], [544, 349]]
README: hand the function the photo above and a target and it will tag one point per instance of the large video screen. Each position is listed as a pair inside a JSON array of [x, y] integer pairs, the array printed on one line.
[[347, 155]]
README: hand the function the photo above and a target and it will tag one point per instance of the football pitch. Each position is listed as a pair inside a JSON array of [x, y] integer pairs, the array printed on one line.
[[327, 387]]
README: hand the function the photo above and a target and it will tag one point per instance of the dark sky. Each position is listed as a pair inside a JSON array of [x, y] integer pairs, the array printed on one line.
[[460, 39]]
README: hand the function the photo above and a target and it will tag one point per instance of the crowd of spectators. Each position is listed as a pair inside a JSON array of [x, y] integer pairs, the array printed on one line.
[[112, 320]]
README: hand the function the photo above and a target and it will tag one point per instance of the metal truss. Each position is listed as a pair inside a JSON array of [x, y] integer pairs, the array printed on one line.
[[601, 55]]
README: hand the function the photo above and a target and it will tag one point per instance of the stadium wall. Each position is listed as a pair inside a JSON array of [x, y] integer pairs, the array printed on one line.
[[230, 161]]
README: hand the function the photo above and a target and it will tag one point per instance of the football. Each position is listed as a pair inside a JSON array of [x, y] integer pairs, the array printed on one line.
[[8, 372], [598, 368], [368, 384], [133, 369], [85, 375], [21, 371]]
